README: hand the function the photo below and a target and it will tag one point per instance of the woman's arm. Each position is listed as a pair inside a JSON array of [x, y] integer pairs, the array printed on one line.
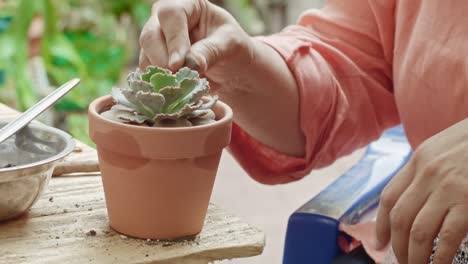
[[302, 97], [265, 101], [341, 60]]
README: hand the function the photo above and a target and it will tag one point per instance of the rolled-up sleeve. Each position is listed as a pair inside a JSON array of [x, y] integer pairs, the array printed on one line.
[[341, 59]]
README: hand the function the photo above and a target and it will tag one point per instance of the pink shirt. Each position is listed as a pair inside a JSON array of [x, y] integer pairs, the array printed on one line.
[[362, 66]]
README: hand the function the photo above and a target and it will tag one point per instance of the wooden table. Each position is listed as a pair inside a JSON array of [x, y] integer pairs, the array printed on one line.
[[69, 225]]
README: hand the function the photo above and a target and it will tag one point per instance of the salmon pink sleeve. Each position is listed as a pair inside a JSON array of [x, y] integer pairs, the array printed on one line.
[[341, 59]]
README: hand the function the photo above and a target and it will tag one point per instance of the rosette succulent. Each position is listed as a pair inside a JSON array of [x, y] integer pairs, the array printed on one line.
[[159, 98]]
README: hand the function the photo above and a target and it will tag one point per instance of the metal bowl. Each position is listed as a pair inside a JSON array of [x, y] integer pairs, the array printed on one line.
[[27, 161]]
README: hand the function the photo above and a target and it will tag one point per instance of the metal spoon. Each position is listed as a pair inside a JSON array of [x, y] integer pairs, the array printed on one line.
[[28, 116]]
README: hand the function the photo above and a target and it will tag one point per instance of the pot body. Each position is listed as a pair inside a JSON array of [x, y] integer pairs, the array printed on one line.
[[158, 181]]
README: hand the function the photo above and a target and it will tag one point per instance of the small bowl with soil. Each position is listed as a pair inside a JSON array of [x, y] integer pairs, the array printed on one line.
[[27, 161]]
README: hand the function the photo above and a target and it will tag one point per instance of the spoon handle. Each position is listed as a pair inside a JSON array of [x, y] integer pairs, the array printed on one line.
[[29, 115]]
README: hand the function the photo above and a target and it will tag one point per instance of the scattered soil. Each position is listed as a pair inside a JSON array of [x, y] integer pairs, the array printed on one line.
[[51, 199], [77, 150], [8, 166], [91, 233], [77, 205], [168, 244]]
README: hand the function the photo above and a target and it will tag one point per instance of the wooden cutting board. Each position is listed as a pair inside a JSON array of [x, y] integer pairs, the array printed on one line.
[[82, 160]]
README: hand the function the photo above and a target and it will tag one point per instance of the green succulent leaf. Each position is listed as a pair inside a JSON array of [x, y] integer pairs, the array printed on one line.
[[193, 90], [119, 114], [151, 70], [182, 113], [160, 80], [119, 107], [152, 101], [112, 114], [134, 76], [160, 98], [186, 73], [139, 85], [119, 98], [172, 94], [132, 97], [210, 103], [127, 116]]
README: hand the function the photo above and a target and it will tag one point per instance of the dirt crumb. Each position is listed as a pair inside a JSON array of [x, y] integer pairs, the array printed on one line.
[[167, 244], [91, 233], [8, 166], [78, 149]]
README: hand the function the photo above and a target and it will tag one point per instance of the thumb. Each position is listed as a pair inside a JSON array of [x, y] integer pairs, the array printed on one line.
[[207, 52]]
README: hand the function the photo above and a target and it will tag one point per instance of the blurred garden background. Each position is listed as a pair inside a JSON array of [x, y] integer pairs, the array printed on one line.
[[44, 43]]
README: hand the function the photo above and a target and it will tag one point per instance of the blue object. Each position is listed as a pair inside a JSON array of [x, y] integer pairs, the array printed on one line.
[[2, 77], [313, 229], [4, 24]]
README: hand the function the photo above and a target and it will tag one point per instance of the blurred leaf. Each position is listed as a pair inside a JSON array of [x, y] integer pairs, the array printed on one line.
[[246, 14], [62, 60], [7, 42], [141, 12], [8, 8], [68, 105], [78, 126], [19, 65], [5, 21]]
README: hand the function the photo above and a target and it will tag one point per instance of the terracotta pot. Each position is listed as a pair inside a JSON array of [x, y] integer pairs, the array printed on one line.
[[158, 181]]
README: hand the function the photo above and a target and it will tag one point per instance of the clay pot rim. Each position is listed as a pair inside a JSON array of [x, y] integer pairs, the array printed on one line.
[[226, 118]]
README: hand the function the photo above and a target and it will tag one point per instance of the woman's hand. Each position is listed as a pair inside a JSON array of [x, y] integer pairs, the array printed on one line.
[[428, 197], [246, 73], [198, 34]]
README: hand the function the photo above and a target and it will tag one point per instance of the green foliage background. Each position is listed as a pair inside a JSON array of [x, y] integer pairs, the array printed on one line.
[[89, 39]]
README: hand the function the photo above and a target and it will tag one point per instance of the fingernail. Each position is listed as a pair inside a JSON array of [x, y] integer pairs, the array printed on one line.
[[174, 59], [191, 62]]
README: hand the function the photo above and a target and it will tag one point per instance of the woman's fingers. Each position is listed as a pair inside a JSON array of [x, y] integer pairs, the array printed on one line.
[[196, 34], [174, 25], [453, 230], [425, 228], [212, 49], [389, 198], [153, 44], [143, 61], [402, 217]]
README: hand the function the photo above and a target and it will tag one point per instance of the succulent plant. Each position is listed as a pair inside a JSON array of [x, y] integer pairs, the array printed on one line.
[[157, 97]]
